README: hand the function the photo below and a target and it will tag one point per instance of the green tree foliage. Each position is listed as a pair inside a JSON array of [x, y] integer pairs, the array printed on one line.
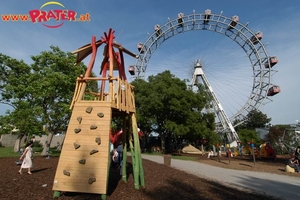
[[40, 93], [52, 86], [246, 131], [247, 135], [255, 119], [14, 75], [165, 105]]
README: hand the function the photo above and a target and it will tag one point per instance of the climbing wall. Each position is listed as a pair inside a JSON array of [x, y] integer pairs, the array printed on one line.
[[84, 160]]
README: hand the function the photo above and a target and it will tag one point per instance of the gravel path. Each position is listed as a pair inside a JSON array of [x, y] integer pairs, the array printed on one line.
[[285, 187]]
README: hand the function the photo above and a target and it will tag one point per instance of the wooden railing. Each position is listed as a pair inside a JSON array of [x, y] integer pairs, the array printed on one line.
[[114, 90]]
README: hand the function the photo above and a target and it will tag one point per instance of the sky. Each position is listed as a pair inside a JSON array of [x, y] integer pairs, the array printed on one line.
[[225, 64]]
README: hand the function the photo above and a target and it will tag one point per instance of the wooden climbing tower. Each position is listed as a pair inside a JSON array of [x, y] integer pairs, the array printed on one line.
[[85, 157]]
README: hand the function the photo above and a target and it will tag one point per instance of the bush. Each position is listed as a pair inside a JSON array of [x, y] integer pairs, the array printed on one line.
[[37, 149], [37, 144]]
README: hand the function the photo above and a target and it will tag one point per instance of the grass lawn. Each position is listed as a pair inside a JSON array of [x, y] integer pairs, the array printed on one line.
[[9, 152]]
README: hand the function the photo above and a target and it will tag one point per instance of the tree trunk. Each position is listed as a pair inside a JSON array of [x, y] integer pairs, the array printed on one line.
[[18, 144], [59, 147], [47, 144], [163, 143]]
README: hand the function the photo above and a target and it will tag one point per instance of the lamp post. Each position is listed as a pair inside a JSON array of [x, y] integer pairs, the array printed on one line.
[[297, 131]]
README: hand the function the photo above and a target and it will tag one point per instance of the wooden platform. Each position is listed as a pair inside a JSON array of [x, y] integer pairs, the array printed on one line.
[[79, 169]]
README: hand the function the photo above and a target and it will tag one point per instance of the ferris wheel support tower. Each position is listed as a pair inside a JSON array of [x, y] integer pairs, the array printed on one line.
[[228, 128]]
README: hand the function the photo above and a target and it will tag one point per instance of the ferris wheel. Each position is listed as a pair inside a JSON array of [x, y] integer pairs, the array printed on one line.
[[248, 42]]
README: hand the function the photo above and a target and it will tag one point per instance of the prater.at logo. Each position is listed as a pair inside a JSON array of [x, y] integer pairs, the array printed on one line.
[[51, 14], [58, 15]]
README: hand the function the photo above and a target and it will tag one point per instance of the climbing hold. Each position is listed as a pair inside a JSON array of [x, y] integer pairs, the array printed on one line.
[[98, 140], [92, 180], [76, 146], [79, 119], [93, 127], [100, 115], [93, 151], [66, 173], [77, 130], [82, 161], [89, 109]]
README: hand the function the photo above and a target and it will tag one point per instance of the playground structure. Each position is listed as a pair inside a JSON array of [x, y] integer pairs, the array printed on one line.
[[264, 151], [85, 157], [291, 139]]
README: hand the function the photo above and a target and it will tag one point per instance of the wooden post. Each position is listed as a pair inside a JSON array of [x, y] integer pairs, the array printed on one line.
[[136, 169], [139, 171], [124, 173]]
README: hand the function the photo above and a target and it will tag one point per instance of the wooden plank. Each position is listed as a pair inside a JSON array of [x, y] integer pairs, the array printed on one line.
[[96, 165], [78, 180], [88, 147], [80, 183], [123, 97], [92, 103], [90, 119], [101, 130], [128, 92], [119, 95], [124, 50], [79, 186], [94, 115], [86, 140], [83, 113], [95, 104], [81, 172], [99, 159]]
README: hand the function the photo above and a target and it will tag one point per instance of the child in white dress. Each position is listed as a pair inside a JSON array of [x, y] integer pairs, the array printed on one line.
[[27, 155]]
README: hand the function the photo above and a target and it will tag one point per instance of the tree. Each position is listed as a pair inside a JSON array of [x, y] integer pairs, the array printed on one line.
[[165, 105], [246, 131], [41, 92], [255, 119], [247, 135], [22, 122], [14, 76]]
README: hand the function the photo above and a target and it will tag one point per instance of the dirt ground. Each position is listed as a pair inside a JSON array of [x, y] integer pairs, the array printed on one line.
[[162, 182], [246, 163]]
